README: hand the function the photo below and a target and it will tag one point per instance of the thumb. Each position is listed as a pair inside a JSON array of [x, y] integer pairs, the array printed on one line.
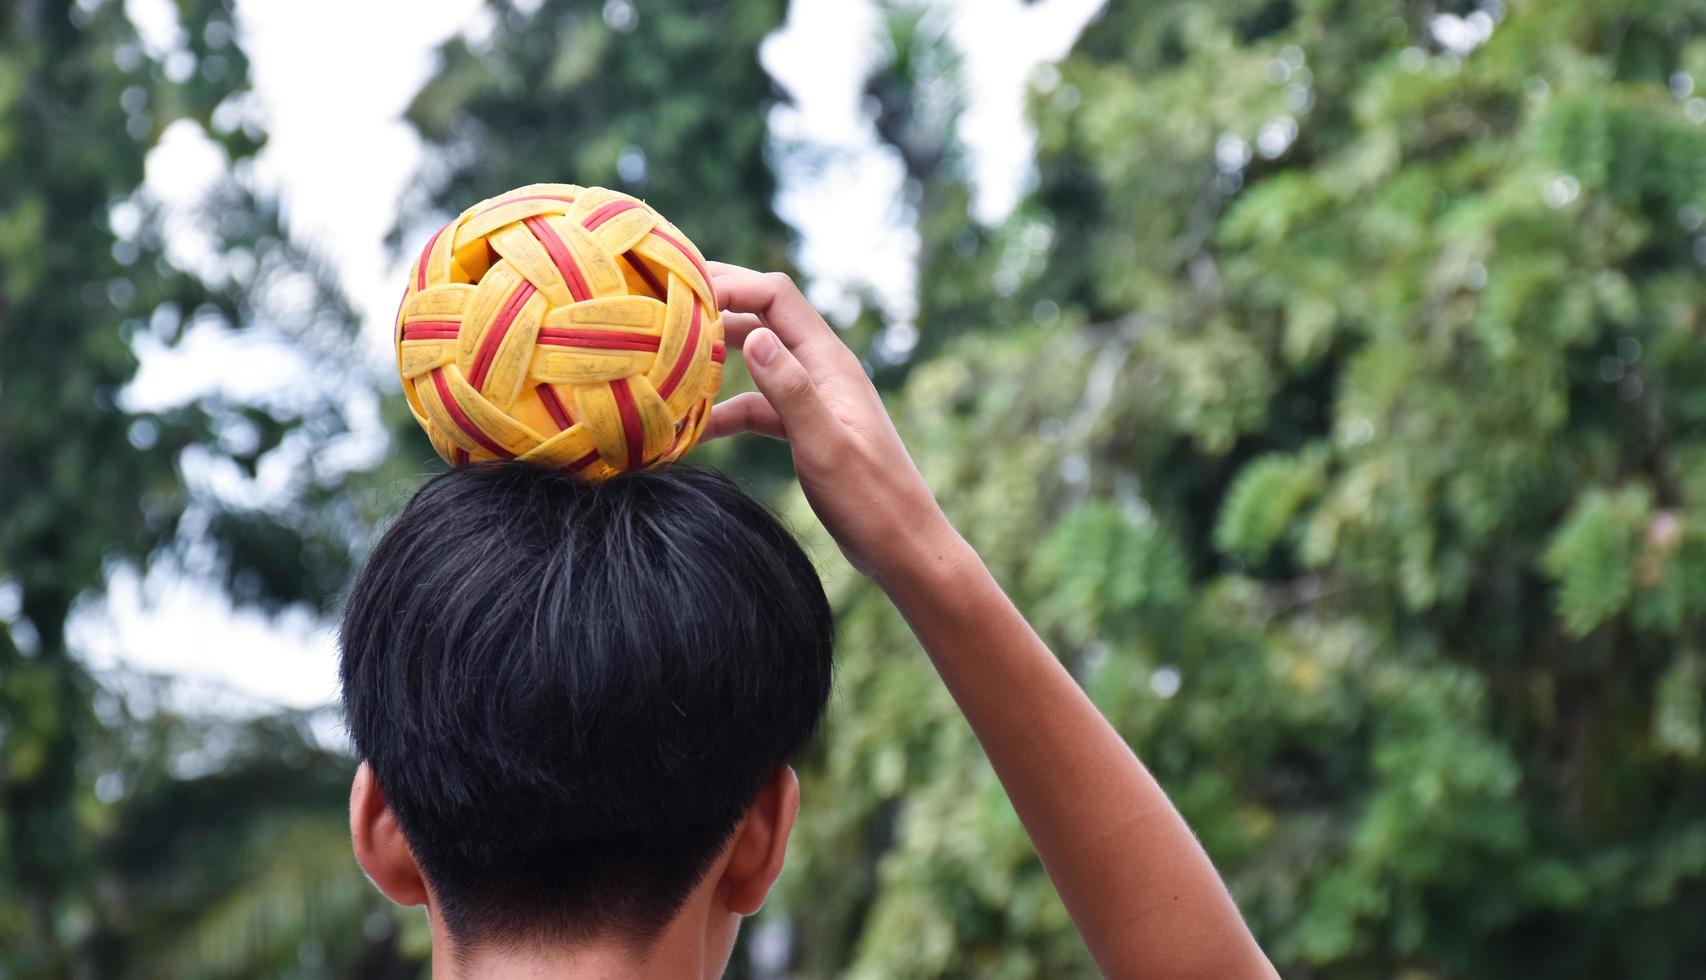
[[786, 385]]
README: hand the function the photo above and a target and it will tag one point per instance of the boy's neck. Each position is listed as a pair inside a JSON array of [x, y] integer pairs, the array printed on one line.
[[681, 952], [590, 963]]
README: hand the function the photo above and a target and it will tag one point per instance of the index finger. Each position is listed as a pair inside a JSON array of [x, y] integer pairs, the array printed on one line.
[[776, 300]]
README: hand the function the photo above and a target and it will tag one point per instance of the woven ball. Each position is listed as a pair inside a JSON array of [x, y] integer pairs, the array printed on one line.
[[569, 326]]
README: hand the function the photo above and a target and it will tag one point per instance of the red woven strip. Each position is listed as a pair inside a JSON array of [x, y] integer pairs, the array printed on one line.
[[596, 339], [495, 336], [719, 353], [426, 255], [607, 212], [530, 197], [461, 418], [679, 371], [630, 421], [560, 255], [681, 247], [431, 330], [639, 266], [458, 456], [554, 405], [584, 461]]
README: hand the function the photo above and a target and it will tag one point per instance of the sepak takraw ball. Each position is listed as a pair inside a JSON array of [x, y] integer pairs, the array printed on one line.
[[568, 326]]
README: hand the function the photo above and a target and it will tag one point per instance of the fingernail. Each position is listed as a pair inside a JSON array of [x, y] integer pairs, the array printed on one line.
[[763, 346]]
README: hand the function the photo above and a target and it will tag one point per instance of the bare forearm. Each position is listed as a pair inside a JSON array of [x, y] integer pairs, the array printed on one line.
[[1140, 888]]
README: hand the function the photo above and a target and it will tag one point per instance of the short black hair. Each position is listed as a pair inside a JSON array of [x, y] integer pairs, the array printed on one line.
[[571, 692]]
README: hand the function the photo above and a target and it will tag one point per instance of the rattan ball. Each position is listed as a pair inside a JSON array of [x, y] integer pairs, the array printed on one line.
[[568, 326]]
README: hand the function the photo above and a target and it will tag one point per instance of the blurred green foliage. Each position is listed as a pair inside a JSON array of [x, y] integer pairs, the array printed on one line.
[[113, 859], [1348, 459], [1330, 403]]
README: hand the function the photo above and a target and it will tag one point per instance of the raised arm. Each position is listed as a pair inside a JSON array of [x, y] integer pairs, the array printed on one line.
[[1139, 887]]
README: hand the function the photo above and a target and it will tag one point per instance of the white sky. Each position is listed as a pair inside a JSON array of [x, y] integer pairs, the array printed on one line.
[[340, 156]]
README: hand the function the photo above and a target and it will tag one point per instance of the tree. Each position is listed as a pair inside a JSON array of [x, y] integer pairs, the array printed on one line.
[[916, 95], [86, 268], [1357, 482], [1329, 405]]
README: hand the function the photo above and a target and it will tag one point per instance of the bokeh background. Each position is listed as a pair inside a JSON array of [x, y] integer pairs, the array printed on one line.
[[1325, 378]]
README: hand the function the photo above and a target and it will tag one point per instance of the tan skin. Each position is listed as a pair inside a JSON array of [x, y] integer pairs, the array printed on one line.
[[1140, 889]]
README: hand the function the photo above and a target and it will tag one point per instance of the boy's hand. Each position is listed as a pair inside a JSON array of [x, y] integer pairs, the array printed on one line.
[[813, 392]]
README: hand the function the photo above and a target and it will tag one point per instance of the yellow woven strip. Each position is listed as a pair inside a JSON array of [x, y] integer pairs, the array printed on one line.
[[445, 447], [485, 416], [596, 409], [666, 228], [557, 365], [670, 257], [693, 424], [590, 199], [709, 385], [444, 302], [703, 374], [508, 370], [481, 225], [531, 190], [417, 357], [597, 265], [639, 315], [702, 416], [618, 233], [443, 426], [622, 232], [489, 297], [526, 256], [713, 380], [564, 448], [437, 261], [656, 419], [677, 325]]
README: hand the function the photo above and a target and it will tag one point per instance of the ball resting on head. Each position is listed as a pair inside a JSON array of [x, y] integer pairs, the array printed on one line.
[[569, 326]]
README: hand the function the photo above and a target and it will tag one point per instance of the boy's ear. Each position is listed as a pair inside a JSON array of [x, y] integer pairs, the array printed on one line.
[[379, 845], [761, 843]]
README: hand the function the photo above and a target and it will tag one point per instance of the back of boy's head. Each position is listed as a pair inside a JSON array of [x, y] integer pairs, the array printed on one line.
[[570, 693]]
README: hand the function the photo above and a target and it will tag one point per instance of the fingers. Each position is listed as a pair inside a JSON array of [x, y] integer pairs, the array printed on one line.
[[745, 412], [775, 298], [790, 391], [736, 326], [727, 268]]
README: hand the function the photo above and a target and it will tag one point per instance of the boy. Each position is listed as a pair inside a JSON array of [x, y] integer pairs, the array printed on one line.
[[576, 703]]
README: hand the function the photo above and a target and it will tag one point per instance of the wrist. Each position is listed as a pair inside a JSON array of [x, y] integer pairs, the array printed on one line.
[[927, 557]]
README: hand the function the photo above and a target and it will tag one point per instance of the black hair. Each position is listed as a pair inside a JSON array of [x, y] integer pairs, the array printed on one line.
[[571, 692]]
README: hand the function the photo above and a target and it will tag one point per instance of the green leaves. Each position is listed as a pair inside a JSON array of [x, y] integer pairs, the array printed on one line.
[[1334, 403], [1592, 556], [1679, 708], [1265, 500], [1103, 569], [1379, 538]]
